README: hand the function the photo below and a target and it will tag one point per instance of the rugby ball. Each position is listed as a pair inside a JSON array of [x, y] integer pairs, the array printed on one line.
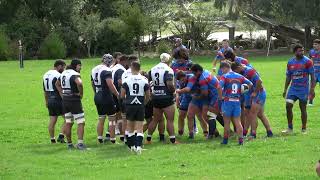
[[244, 88]]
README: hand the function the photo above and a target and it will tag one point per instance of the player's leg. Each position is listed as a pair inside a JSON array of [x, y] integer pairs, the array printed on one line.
[[204, 120], [226, 127], [169, 114], [79, 118], [157, 115], [100, 127], [239, 128], [69, 123], [112, 126], [139, 129], [192, 110], [212, 116], [304, 115], [290, 100], [161, 128], [52, 124], [131, 135], [182, 117], [265, 121]]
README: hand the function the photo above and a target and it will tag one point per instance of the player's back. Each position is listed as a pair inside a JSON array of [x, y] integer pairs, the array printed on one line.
[[159, 74], [68, 84], [242, 60], [135, 86], [181, 66], [208, 81], [231, 85], [49, 81], [95, 76], [117, 72], [104, 74]]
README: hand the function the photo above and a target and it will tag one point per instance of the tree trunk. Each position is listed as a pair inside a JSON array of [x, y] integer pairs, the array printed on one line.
[[307, 40], [89, 49], [138, 44]]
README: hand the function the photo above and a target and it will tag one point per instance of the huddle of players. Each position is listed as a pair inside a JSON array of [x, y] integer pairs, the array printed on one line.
[[222, 97], [122, 94]]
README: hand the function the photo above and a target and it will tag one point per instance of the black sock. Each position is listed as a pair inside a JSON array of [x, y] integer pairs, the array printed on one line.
[[149, 137], [53, 141], [107, 135], [172, 139], [212, 126], [161, 137], [121, 138], [139, 139], [220, 119], [61, 136], [100, 141]]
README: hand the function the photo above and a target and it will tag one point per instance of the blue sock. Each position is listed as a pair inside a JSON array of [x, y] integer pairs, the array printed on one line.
[[290, 126]]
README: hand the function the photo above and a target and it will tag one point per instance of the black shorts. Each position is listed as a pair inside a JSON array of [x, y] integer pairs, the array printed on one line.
[[148, 113], [72, 106], [106, 109], [55, 107], [135, 113], [163, 103]]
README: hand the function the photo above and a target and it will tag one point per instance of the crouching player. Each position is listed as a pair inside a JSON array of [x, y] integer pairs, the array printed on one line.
[[255, 99], [72, 93], [135, 91], [232, 83]]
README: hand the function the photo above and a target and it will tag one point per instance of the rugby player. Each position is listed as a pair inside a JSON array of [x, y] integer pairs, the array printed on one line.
[[116, 59], [53, 99], [117, 72], [70, 84], [135, 92], [161, 76], [220, 54], [254, 100], [231, 83], [314, 55], [299, 69], [101, 78]]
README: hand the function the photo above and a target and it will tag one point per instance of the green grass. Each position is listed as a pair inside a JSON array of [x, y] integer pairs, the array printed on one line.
[[25, 151]]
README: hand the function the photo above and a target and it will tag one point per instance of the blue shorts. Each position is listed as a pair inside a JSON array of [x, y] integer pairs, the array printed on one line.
[[199, 102], [184, 102], [260, 98], [293, 96], [231, 109]]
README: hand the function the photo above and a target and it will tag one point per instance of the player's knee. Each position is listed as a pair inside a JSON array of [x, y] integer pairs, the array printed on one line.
[[79, 118], [102, 117], [112, 119], [68, 118]]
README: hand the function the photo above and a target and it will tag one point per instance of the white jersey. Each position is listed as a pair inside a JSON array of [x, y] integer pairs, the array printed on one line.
[[126, 74], [95, 76], [68, 84], [49, 80], [159, 74], [135, 86], [117, 72]]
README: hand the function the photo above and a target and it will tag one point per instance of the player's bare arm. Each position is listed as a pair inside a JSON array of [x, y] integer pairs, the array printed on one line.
[[58, 86], [123, 93], [78, 81], [286, 85], [147, 96], [112, 87]]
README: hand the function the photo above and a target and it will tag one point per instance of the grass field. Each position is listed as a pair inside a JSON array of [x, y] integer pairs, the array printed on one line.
[[25, 151]]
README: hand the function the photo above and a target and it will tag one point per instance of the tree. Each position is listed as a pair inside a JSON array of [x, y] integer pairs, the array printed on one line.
[[89, 27]]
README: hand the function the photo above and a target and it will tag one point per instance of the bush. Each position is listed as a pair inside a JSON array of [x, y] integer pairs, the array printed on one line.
[[53, 47], [4, 46], [260, 43], [163, 47]]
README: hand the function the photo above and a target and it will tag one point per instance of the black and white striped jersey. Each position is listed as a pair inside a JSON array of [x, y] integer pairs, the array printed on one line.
[[68, 84]]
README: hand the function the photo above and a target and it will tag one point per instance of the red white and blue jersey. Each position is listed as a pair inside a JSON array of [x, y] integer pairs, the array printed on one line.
[[231, 85], [193, 84], [298, 71], [242, 60], [184, 66], [251, 74], [220, 55], [208, 83], [315, 57], [182, 85]]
